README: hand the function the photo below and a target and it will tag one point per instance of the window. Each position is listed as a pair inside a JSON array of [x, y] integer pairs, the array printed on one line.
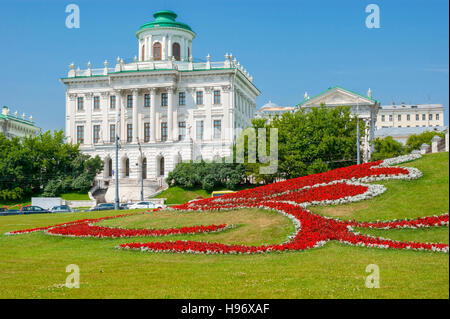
[[129, 132], [80, 134], [430, 117], [216, 97], [199, 97], [382, 118], [181, 131], [390, 118], [161, 166], [112, 133], [127, 168], [96, 102], [417, 117], [423, 117], [399, 117], [408, 117], [110, 170], [80, 103], [157, 51], [199, 130], [164, 99], [176, 51], [164, 131], [146, 132], [437, 117], [112, 102], [129, 101], [96, 137], [181, 98], [217, 128], [147, 100]]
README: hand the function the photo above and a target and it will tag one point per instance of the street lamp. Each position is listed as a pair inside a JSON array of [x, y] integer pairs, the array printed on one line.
[[142, 172], [116, 202], [358, 160]]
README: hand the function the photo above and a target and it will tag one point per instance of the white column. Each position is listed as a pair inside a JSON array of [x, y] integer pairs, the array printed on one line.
[[170, 91], [123, 126], [208, 106], [118, 113], [104, 104], [169, 47], [164, 48], [152, 114], [88, 128], [135, 116], [149, 48]]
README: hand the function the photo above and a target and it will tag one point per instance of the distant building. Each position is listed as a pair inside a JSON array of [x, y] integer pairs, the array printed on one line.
[[417, 115], [271, 110], [363, 106], [401, 134], [12, 125]]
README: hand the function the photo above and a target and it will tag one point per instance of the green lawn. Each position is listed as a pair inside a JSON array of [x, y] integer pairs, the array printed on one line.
[[179, 195], [33, 265]]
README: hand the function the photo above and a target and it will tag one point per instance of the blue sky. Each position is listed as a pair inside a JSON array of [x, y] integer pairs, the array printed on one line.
[[288, 46]]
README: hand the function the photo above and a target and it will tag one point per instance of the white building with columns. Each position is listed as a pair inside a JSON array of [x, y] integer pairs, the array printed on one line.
[[363, 106], [164, 107]]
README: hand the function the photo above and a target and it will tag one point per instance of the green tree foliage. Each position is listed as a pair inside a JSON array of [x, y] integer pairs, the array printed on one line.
[[208, 176], [415, 141], [387, 147], [43, 164], [309, 142]]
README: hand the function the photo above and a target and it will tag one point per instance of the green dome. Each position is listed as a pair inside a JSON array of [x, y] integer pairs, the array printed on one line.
[[164, 18]]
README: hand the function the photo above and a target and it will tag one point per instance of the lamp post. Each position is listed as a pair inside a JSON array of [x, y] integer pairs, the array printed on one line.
[[116, 202], [142, 172], [358, 160]]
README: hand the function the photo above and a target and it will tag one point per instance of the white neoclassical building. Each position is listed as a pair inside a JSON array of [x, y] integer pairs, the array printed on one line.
[[14, 125], [164, 107], [365, 107]]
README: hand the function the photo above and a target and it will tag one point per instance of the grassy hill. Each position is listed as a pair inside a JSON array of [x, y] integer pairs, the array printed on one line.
[[33, 265]]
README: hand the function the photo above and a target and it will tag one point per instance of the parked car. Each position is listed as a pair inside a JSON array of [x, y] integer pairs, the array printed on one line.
[[125, 206], [103, 206], [146, 205], [33, 210], [61, 209], [6, 212]]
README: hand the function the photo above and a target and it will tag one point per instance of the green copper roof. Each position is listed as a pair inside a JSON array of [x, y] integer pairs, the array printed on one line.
[[164, 18]]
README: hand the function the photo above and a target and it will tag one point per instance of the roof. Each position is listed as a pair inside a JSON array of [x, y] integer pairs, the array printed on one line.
[[333, 88], [410, 106], [6, 116], [164, 19]]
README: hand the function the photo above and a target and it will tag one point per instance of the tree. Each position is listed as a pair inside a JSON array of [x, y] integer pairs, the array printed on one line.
[[386, 148], [309, 142], [415, 141], [43, 164]]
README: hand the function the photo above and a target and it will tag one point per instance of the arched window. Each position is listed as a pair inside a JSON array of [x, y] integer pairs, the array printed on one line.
[[157, 51], [143, 53], [161, 166], [176, 51], [144, 168], [127, 168]]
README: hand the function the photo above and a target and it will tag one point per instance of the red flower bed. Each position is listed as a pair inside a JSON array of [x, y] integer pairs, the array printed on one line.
[[290, 199]]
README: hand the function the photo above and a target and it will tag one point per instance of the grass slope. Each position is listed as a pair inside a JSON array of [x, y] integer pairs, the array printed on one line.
[[33, 265]]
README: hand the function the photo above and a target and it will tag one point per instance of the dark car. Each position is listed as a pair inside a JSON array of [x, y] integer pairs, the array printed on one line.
[[33, 210], [104, 206], [4, 211]]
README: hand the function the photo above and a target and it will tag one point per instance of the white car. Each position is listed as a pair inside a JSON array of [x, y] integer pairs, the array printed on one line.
[[146, 205]]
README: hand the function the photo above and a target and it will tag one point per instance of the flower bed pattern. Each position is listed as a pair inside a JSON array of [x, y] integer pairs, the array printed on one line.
[[290, 198]]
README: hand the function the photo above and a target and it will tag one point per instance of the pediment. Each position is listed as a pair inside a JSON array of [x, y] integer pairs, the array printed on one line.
[[338, 96]]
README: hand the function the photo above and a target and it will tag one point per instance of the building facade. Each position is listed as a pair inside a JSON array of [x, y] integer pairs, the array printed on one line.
[[364, 107], [13, 125], [270, 110], [164, 107], [418, 115]]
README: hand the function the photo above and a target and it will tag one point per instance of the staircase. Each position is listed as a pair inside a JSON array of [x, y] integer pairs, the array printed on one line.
[[130, 189]]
